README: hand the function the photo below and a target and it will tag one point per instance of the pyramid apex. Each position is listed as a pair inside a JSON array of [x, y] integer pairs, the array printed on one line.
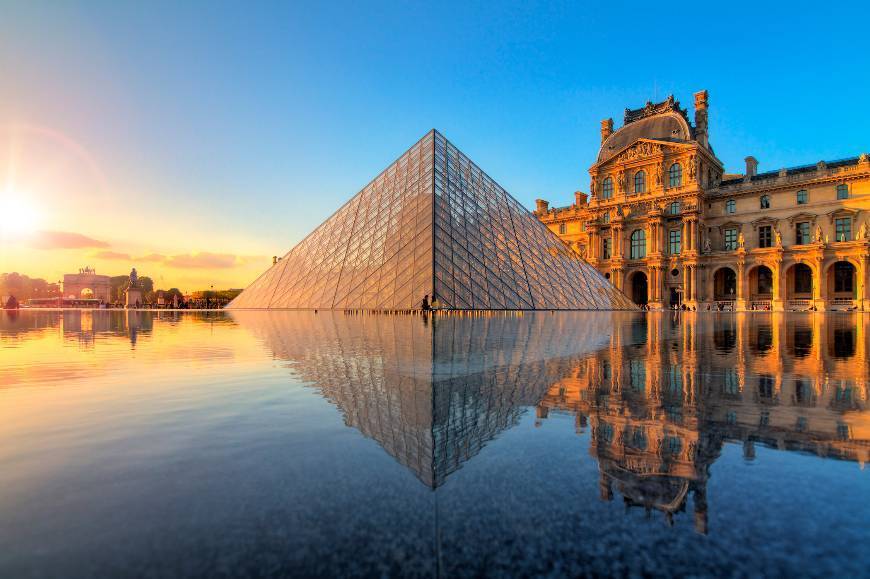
[[422, 229]]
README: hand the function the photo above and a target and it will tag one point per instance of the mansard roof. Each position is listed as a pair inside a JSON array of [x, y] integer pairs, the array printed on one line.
[[664, 121]]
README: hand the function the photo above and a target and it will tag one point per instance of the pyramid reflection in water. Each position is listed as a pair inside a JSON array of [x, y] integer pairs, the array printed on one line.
[[432, 395], [433, 223]]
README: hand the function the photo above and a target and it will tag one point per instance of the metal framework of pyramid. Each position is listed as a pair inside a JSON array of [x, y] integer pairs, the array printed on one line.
[[433, 223]]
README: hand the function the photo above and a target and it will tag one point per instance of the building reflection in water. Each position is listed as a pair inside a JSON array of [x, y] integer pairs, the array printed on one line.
[[85, 326], [669, 392], [658, 394]]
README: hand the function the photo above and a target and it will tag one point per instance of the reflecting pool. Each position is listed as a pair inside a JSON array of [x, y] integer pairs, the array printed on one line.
[[294, 443]]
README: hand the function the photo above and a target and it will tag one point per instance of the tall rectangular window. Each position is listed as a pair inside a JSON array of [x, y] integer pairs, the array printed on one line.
[[605, 248], [730, 239], [638, 244], [843, 229], [674, 241], [802, 197], [802, 233], [842, 191], [765, 236], [563, 229], [730, 206]]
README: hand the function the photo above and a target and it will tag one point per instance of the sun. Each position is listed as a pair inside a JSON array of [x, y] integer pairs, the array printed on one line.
[[18, 214]]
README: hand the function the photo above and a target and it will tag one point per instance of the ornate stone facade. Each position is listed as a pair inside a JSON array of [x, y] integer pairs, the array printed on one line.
[[668, 226]]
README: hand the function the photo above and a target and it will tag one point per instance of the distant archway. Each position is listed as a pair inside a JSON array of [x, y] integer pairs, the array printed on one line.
[[842, 280], [799, 282], [761, 283], [86, 294], [725, 284], [639, 288]]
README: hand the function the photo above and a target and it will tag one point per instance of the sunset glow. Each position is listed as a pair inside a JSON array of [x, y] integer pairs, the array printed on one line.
[[20, 215]]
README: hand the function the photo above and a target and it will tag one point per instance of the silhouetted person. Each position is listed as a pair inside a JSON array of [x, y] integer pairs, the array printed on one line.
[[426, 303]]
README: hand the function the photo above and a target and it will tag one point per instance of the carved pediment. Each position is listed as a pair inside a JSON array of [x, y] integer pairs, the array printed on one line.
[[843, 212], [730, 225], [639, 150], [801, 217], [764, 221]]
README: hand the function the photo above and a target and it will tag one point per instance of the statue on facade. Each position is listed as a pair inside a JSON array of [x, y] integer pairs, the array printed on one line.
[[134, 279], [777, 237], [707, 247], [740, 240], [818, 236], [862, 232]]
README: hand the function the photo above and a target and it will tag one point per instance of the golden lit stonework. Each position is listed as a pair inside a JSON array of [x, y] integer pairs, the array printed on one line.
[[668, 226]]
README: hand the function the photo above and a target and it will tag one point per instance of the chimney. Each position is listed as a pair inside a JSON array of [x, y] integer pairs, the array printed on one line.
[[541, 206], [606, 129], [580, 198], [751, 167], [701, 118]]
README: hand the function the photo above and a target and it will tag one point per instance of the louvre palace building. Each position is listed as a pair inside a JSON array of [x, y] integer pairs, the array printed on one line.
[[665, 222]]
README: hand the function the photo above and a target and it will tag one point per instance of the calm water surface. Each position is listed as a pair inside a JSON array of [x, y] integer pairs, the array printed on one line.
[[167, 444]]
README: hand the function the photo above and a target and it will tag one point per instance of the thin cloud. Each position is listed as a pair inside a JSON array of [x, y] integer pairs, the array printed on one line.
[[63, 240], [196, 260], [204, 260], [111, 255]]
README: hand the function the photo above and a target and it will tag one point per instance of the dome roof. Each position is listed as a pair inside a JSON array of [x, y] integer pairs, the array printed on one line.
[[668, 126]]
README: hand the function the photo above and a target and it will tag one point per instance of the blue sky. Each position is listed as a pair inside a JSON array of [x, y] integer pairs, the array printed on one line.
[[257, 120]]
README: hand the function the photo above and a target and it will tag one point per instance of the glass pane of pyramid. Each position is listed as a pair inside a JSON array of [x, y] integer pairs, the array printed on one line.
[[433, 223]]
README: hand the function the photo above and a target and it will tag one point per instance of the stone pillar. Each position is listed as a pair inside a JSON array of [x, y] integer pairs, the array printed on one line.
[[778, 279], [594, 243], [617, 242], [740, 304], [819, 284], [862, 294]]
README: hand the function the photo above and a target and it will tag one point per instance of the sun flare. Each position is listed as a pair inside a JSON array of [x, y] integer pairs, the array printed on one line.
[[19, 215]]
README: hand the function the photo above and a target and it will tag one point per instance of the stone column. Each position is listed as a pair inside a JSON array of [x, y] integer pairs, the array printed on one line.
[[862, 294], [778, 277], [819, 284], [594, 243], [617, 242], [741, 286]]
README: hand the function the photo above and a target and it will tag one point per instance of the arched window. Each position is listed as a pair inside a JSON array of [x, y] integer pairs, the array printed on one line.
[[730, 206], [607, 188], [765, 202], [638, 244], [563, 229], [674, 208], [675, 175], [640, 182]]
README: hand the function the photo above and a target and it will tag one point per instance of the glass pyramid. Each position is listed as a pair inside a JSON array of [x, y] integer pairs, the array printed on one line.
[[433, 223]]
